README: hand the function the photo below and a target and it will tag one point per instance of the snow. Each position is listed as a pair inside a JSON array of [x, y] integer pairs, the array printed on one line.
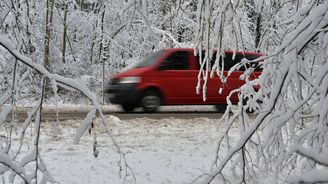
[[315, 175], [9, 162], [321, 158], [159, 151], [5, 97], [4, 113], [175, 150], [55, 77], [5, 7], [85, 125]]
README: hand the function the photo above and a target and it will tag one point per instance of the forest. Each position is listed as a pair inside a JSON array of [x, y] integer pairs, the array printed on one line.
[[58, 52]]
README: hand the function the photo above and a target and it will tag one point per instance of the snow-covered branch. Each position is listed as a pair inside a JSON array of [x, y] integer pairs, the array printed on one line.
[[312, 176], [71, 84], [290, 119], [6, 43], [320, 158], [14, 166]]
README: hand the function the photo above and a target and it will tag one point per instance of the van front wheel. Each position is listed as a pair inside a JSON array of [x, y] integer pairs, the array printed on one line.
[[128, 107], [150, 101]]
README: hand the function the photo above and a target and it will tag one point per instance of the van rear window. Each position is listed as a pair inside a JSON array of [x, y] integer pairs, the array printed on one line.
[[229, 61]]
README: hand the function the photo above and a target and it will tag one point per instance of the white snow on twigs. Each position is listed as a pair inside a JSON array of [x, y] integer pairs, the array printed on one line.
[[39, 68], [91, 117], [5, 7], [321, 158], [5, 97], [59, 80], [4, 113], [6, 160], [312, 176], [305, 31]]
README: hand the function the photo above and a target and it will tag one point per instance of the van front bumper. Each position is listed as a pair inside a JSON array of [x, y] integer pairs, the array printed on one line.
[[123, 94]]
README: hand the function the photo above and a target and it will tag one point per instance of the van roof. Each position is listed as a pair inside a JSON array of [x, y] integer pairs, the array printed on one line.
[[226, 51]]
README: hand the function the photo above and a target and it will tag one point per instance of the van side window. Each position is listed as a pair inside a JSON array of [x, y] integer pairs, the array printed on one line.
[[254, 65], [176, 61], [229, 62]]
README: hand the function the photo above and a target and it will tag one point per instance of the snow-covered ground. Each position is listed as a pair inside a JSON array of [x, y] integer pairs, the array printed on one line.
[[116, 108], [159, 151]]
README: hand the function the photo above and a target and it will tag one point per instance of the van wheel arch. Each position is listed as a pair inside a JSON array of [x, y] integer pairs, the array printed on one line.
[[155, 90], [151, 92]]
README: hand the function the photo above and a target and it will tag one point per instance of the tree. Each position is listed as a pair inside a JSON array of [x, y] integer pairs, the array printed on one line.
[[9, 155], [48, 24], [288, 130], [286, 138], [13, 161]]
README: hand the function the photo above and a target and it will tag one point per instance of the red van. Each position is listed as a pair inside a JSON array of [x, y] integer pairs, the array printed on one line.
[[169, 77]]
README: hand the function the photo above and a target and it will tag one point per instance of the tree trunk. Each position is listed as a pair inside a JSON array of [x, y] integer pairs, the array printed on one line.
[[102, 35], [46, 39], [49, 15], [65, 33], [92, 45], [258, 31], [103, 58]]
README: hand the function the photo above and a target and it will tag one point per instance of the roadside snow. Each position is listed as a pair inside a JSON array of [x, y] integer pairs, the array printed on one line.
[[117, 108], [159, 151]]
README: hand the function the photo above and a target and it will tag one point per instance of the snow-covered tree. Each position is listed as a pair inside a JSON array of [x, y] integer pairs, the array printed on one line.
[[285, 140], [24, 64], [18, 164], [91, 40]]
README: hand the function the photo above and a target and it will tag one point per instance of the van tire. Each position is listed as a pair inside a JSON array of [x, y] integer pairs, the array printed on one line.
[[128, 107], [221, 108], [150, 101]]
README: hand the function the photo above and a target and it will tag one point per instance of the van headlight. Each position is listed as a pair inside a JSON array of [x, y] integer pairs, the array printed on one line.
[[130, 80]]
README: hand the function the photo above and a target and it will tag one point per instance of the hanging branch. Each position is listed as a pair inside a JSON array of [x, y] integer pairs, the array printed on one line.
[[70, 84], [291, 124]]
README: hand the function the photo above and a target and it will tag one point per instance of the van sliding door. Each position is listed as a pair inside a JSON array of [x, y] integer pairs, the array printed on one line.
[[176, 78]]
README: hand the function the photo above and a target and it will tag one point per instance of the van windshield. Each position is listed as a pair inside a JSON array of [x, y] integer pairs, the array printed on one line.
[[150, 59]]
